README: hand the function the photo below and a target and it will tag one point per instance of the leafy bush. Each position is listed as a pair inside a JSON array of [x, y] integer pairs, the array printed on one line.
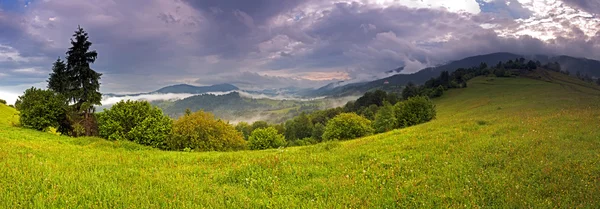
[[298, 128], [265, 138], [201, 132], [318, 130], [244, 128], [2, 101], [52, 130], [347, 126], [414, 111], [385, 119], [40, 109], [135, 121], [303, 142]]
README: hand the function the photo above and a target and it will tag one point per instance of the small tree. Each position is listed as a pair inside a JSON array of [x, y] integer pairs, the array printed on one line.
[[59, 78], [410, 90], [265, 138], [135, 121], [347, 126], [298, 128], [40, 109], [244, 128], [2, 101], [201, 132], [385, 119], [318, 130], [259, 124], [414, 111]]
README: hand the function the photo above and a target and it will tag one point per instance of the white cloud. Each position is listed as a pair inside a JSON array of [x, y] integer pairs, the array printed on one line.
[[10, 97], [29, 71], [470, 6], [551, 19]]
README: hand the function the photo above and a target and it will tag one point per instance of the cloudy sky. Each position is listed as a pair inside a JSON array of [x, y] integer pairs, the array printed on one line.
[[147, 44]]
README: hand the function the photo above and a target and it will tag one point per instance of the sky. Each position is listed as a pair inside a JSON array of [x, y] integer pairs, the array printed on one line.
[[147, 44]]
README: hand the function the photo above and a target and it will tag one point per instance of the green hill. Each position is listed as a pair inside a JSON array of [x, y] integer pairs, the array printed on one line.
[[501, 142]]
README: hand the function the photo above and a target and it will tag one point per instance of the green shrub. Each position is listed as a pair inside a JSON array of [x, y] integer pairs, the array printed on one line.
[[40, 109], [265, 138], [201, 132], [385, 119], [347, 126], [303, 142], [244, 128], [52, 130], [135, 121], [318, 130], [2, 101], [415, 110]]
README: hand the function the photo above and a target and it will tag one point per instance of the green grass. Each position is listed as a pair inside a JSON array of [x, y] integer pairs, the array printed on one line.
[[501, 142]]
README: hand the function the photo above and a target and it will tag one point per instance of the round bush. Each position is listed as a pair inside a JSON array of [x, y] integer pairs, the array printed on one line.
[[40, 109], [415, 110], [347, 126], [201, 132], [385, 119], [135, 121], [265, 138]]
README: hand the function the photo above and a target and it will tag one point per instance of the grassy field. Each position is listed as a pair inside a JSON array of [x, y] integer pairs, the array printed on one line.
[[501, 142]]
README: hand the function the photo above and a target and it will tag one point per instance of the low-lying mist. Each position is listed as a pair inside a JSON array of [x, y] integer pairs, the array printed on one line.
[[110, 100], [250, 114]]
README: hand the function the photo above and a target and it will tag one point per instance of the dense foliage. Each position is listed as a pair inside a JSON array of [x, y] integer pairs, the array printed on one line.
[[40, 109], [298, 128], [201, 132], [414, 111], [347, 126], [2, 101], [265, 138], [135, 121], [385, 119]]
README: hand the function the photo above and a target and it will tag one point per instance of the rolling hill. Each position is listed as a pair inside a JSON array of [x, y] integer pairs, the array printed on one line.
[[501, 143]]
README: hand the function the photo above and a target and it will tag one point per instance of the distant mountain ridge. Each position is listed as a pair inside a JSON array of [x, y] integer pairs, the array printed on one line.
[[571, 64], [189, 89]]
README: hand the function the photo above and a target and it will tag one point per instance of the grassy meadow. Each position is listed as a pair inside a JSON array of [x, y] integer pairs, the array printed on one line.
[[501, 142]]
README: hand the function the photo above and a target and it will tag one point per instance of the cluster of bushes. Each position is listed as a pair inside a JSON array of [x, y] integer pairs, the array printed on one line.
[[139, 122]]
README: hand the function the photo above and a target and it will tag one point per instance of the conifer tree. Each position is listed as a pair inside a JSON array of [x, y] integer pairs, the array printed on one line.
[[84, 84], [59, 79]]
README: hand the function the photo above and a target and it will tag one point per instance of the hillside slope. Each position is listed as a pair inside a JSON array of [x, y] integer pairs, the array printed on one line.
[[501, 142]]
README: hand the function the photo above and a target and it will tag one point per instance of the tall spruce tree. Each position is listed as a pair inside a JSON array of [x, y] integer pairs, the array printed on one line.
[[59, 79], [84, 84]]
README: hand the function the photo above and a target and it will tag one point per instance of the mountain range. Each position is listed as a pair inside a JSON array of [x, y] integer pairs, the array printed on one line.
[[396, 80], [189, 89]]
